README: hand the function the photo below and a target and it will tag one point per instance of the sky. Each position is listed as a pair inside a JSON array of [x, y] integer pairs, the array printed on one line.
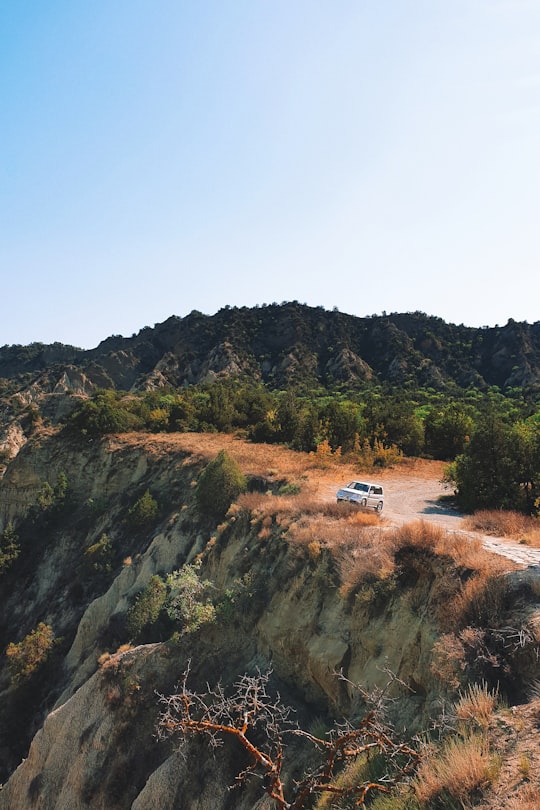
[[161, 156]]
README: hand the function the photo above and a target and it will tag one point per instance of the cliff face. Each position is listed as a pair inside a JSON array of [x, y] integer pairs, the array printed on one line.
[[93, 724]]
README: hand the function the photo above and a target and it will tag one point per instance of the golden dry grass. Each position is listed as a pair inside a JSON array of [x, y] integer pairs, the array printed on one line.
[[466, 551], [528, 799], [477, 704], [273, 461], [504, 523], [459, 767]]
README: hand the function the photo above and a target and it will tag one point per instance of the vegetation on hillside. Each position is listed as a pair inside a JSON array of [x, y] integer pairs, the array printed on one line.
[[492, 441]]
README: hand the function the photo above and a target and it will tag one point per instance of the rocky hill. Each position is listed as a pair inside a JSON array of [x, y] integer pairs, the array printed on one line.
[[287, 344], [284, 582]]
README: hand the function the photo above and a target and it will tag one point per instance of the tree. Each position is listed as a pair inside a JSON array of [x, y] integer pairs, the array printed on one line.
[[29, 654], [220, 484], [218, 409], [104, 413], [259, 723], [486, 474], [147, 606], [143, 511], [342, 424], [9, 547], [447, 431], [288, 418]]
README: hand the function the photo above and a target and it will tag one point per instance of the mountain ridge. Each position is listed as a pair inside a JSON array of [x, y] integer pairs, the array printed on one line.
[[292, 344]]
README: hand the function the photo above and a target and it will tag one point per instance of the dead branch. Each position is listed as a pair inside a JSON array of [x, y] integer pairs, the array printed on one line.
[[259, 722]]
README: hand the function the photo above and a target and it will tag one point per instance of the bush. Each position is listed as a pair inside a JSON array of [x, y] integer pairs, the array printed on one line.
[[98, 556], [104, 413], [50, 500], [29, 654], [9, 547], [143, 512], [146, 609], [219, 485], [188, 601]]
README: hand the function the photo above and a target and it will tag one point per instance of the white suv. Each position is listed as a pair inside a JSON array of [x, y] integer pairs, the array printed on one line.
[[363, 494]]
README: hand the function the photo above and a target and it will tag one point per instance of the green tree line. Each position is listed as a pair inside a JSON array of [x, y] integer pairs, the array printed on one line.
[[490, 439]]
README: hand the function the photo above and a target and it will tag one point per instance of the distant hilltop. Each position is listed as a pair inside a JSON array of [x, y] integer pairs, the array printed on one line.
[[289, 344]]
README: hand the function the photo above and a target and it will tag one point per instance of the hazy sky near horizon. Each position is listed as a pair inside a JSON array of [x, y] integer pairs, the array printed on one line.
[[160, 156]]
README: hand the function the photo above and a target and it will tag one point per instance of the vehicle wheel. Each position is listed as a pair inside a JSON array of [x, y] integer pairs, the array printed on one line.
[[363, 502], [379, 506]]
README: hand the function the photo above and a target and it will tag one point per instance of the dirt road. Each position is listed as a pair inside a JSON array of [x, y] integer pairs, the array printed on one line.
[[415, 495]]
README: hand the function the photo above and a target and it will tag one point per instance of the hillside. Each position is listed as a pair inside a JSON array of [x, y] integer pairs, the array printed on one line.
[[284, 345], [294, 585]]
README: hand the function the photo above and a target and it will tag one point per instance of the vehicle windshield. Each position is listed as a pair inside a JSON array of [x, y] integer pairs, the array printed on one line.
[[357, 485]]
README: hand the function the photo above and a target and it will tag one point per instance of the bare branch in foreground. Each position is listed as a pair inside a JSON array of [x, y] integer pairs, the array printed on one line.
[[259, 722]]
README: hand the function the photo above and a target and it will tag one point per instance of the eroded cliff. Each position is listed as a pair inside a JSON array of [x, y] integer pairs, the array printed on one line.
[[289, 597]]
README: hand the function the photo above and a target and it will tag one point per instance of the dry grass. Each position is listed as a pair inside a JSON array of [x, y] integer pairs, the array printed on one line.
[[268, 460], [477, 703], [501, 523], [306, 505], [458, 768], [528, 799], [360, 548], [481, 599], [313, 522], [466, 551]]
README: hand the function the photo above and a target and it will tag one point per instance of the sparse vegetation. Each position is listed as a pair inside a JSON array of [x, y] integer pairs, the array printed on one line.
[[28, 655], [506, 523], [347, 564], [98, 556], [9, 547]]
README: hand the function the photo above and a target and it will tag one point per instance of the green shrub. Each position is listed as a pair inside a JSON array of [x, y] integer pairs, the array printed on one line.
[[51, 498], [189, 599], [143, 511], [219, 485], [104, 413], [146, 609], [29, 654], [9, 547], [98, 556]]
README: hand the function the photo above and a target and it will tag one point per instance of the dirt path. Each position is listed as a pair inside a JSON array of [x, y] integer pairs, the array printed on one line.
[[411, 495]]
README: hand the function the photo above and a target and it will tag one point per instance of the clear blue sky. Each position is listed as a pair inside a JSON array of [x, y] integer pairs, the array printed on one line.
[[160, 156]]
